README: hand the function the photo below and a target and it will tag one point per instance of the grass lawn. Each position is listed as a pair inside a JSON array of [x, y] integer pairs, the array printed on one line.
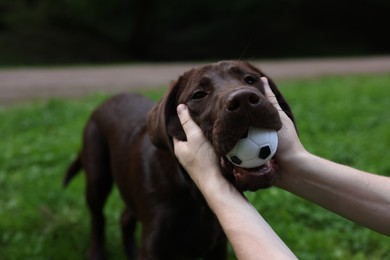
[[345, 119]]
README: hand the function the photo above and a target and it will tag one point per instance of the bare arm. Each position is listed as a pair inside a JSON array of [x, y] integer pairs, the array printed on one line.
[[249, 234], [359, 196]]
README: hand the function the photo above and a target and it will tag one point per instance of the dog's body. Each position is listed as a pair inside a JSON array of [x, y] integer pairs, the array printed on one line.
[[128, 141]]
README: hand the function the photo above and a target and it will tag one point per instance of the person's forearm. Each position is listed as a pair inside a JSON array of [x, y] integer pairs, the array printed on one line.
[[250, 235], [359, 196]]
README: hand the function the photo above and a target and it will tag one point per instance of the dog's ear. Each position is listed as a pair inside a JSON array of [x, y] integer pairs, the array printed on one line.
[[163, 122]]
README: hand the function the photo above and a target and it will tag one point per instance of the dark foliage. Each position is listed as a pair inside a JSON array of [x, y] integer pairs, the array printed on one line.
[[70, 31]]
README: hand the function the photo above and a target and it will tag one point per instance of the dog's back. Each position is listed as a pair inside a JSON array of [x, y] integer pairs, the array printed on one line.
[[114, 124]]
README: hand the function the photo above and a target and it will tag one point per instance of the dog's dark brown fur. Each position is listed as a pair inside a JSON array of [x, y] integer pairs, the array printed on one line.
[[128, 140]]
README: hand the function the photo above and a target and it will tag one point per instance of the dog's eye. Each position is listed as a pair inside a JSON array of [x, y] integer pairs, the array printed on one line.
[[199, 95], [250, 80]]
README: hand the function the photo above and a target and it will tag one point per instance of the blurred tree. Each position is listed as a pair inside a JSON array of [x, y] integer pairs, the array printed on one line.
[[35, 31]]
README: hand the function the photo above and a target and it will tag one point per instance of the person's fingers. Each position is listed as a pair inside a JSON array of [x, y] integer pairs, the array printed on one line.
[[190, 127], [178, 146], [269, 94], [175, 142]]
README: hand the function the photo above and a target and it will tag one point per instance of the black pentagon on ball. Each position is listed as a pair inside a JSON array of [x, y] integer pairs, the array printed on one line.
[[264, 152], [235, 160]]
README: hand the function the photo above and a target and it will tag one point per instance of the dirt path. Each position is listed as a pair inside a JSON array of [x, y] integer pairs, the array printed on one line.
[[22, 84]]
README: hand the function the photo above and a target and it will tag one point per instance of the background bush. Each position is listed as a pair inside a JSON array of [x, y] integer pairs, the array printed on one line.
[[74, 31]]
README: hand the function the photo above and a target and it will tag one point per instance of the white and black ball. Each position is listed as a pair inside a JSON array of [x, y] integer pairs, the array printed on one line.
[[254, 150]]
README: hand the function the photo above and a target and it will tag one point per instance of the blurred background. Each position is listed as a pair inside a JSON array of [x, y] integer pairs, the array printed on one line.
[[100, 31], [59, 59]]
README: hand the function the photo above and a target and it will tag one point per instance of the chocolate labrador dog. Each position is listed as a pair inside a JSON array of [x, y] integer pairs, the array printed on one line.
[[128, 140]]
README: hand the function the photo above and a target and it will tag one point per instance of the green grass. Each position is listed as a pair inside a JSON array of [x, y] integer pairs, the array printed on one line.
[[345, 119]]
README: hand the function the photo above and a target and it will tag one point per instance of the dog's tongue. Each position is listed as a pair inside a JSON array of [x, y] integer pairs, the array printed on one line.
[[254, 178]]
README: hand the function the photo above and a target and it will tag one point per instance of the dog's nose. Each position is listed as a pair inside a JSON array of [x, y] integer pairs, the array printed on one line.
[[242, 99]]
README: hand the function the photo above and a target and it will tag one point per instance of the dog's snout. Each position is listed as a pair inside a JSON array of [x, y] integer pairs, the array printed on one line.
[[242, 99]]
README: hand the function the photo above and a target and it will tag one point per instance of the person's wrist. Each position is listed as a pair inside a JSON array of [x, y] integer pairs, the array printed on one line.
[[210, 179], [290, 165], [204, 175], [292, 157]]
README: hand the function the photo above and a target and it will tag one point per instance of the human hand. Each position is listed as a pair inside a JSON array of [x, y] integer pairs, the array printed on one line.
[[289, 144], [196, 154]]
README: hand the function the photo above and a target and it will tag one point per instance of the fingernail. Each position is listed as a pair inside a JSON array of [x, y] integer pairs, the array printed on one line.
[[181, 108]]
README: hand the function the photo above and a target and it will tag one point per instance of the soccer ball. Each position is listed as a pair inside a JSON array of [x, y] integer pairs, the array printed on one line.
[[254, 150]]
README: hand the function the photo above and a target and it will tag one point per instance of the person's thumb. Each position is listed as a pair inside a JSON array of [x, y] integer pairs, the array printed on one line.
[[189, 126], [269, 94]]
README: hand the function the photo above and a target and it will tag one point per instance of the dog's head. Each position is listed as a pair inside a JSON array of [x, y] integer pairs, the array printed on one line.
[[224, 99]]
